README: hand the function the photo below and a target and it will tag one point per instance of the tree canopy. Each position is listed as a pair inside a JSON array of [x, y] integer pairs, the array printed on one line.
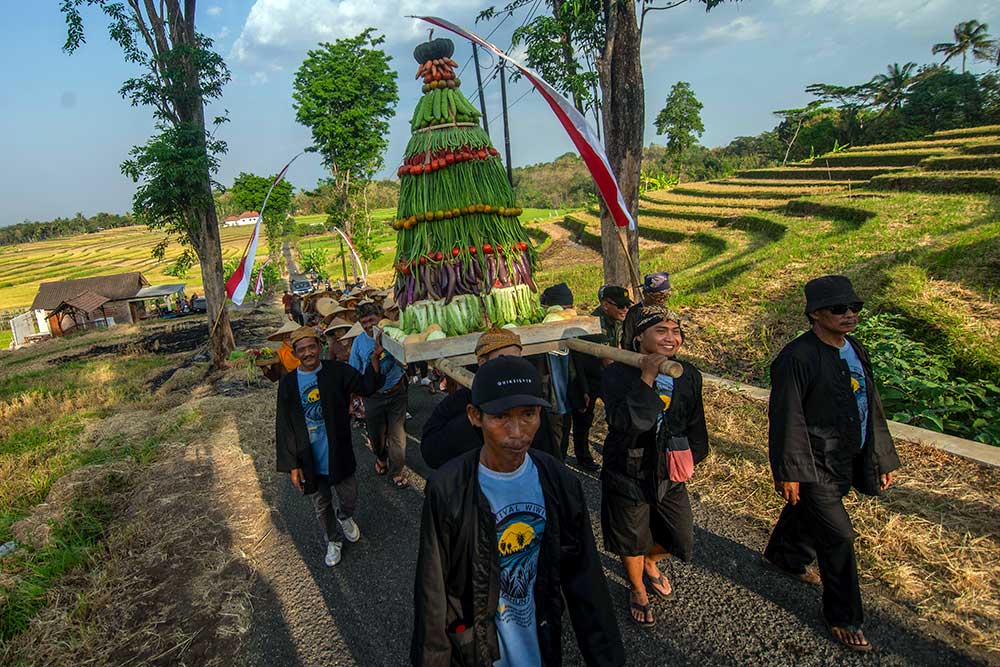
[[248, 194], [346, 93], [680, 118]]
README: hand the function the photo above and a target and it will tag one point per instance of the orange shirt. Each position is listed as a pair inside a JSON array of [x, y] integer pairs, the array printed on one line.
[[288, 358]]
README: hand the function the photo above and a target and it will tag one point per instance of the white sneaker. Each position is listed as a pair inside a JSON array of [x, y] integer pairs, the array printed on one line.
[[425, 381], [350, 528], [332, 554], [409, 416]]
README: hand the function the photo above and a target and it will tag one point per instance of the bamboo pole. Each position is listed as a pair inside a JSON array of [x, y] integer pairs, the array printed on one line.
[[671, 368], [455, 372]]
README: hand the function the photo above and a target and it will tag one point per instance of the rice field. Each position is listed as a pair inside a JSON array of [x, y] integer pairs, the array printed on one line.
[[23, 267]]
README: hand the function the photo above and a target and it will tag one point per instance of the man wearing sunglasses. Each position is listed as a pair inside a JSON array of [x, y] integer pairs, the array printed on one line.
[[827, 433]]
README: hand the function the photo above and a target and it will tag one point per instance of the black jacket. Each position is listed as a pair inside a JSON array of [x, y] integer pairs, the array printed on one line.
[[633, 451], [336, 381], [449, 433], [814, 434], [458, 572]]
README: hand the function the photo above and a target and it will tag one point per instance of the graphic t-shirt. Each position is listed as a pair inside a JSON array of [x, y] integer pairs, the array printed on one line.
[[519, 506], [858, 385], [664, 386], [313, 409]]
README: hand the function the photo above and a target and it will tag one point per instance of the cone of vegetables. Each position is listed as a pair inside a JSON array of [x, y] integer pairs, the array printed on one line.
[[461, 249]]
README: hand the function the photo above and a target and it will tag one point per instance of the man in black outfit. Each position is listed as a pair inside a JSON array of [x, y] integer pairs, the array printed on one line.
[[827, 433], [448, 432], [506, 544]]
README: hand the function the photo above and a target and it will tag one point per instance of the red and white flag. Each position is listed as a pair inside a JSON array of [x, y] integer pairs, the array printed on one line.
[[573, 122], [258, 288], [237, 284]]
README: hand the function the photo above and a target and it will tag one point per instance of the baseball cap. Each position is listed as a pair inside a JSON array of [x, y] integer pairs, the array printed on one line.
[[615, 294], [505, 383]]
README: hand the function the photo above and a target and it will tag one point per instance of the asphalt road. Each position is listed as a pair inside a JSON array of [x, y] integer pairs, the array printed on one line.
[[728, 610]]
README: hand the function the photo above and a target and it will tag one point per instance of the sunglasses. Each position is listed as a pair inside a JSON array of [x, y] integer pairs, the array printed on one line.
[[842, 308]]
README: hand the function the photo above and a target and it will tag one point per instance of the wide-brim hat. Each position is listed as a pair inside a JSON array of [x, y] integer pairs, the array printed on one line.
[[301, 333], [389, 304], [338, 323], [827, 291], [286, 328], [355, 331], [327, 306]]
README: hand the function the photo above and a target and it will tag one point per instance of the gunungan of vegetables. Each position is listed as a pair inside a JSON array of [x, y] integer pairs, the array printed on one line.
[[460, 246]]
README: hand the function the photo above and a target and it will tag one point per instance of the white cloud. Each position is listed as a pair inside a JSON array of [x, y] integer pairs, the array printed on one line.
[[743, 29], [901, 12], [214, 10], [276, 30]]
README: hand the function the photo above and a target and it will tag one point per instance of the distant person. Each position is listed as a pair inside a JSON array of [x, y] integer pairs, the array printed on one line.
[[313, 435], [613, 305], [385, 410], [448, 433], [827, 432], [559, 374], [286, 302], [296, 309], [656, 435], [505, 538], [655, 291]]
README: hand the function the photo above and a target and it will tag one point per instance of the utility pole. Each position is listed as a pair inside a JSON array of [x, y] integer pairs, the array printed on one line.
[[506, 123], [479, 85]]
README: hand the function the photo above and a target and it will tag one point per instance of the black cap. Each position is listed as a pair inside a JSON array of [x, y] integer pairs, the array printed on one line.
[[615, 294], [827, 291], [505, 383], [557, 295]]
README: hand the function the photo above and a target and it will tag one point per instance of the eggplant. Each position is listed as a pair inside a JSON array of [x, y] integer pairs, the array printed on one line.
[[502, 273], [452, 283]]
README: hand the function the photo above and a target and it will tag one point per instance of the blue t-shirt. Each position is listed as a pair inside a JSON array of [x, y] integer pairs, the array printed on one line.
[[313, 409], [519, 506], [361, 354], [858, 385], [559, 364]]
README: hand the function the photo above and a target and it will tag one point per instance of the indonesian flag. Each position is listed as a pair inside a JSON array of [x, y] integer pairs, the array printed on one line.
[[237, 284], [573, 122], [258, 288]]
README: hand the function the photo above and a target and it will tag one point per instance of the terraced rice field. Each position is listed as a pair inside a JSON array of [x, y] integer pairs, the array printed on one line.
[[23, 267]]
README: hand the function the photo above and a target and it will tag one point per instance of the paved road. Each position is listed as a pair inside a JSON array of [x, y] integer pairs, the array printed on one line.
[[293, 269], [728, 611]]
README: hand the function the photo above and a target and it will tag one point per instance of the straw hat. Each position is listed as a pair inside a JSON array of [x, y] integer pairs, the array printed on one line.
[[327, 307], [338, 323], [286, 328], [389, 304], [354, 332]]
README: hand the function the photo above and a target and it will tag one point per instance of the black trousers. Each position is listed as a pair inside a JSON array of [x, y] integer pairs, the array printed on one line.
[[582, 421], [819, 528]]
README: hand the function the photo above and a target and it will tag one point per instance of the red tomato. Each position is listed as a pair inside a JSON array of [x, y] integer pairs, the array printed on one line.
[[449, 158], [482, 155], [423, 260], [404, 269], [522, 245], [487, 248], [455, 252], [438, 256], [472, 250]]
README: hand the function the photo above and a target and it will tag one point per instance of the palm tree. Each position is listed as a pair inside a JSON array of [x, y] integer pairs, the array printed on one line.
[[969, 36], [889, 89]]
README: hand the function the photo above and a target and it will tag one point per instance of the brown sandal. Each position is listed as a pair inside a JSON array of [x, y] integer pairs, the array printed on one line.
[[853, 630]]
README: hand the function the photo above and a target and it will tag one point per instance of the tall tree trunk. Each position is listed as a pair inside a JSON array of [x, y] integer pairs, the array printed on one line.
[[623, 113], [208, 247]]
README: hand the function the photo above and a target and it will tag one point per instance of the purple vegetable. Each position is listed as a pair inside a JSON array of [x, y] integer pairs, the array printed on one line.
[[502, 273], [452, 283], [444, 276]]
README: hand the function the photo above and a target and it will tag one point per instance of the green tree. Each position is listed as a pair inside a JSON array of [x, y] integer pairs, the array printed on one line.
[[791, 124], [248, 194], [889, 89], [345, 93], [970, 37], [943, 100], [315, 261], [174, 169], [680, 118]]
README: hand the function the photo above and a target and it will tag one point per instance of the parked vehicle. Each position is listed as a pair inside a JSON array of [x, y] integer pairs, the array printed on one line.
[[301, 287], [198, 305]]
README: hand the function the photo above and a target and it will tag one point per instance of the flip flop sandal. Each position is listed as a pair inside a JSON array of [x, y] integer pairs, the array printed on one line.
[[641, 608], [662, 583], [852, 629], [381, 468]]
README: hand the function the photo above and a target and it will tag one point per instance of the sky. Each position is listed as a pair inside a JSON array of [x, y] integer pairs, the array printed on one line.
[[66, 129]]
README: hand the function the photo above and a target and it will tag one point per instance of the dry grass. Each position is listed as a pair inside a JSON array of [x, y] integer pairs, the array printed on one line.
[[933, 541]]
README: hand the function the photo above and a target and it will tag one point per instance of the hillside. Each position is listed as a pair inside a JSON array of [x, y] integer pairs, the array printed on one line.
[[915, 225]]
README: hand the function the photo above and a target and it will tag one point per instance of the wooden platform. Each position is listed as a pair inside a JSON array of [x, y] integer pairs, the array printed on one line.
[[535, 339]]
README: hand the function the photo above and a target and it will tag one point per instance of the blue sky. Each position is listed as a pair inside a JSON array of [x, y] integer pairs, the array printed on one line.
[[67, 130]]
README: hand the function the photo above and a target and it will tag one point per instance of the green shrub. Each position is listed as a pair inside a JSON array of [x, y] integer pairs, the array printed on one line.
[[918, 388]]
